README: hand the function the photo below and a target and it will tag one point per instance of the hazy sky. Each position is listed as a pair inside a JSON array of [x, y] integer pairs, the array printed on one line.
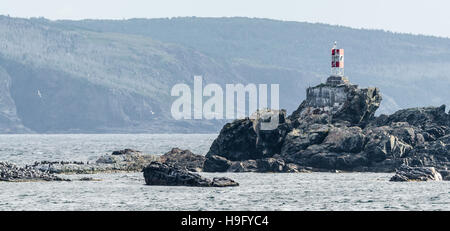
[[430, 17]]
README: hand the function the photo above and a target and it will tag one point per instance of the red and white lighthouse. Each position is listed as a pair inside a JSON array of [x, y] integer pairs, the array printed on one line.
[[337, 61]]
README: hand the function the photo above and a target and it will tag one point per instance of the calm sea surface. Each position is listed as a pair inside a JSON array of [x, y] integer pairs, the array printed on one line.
[[304, 191]]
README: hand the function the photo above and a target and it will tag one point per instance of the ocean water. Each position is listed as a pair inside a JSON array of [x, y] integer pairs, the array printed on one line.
[[257, 191]]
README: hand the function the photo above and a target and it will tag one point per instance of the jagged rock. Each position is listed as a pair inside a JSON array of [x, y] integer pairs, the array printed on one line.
[[270, 139], [215, 163], [406, 173], [380, 145], [157, 173], [335, 129], [344, 102], [360, 106], [420, 117], [350, 162], [245, 139], [345, 139], [236, 141], [184, 159], [271, 165], [243, 166], [12, 172]]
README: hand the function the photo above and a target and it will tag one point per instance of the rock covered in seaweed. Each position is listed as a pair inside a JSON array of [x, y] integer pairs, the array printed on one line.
[[119, 161], [14, 173], [157, 173]]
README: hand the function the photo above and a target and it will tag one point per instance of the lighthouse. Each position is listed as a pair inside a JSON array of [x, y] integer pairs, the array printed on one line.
[[337, 67], [337, 61]]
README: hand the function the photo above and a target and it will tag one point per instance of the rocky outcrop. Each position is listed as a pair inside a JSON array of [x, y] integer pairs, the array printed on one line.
[[344, 102], [244, 139], [406, 173], [214, 163], [183, 159], [335, 129], [14, 173], [237, 141], [119, 161], [157, 173], [424, 118]]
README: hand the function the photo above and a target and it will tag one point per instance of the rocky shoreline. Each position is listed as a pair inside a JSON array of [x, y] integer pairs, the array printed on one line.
[[333, 130], [174, 168]]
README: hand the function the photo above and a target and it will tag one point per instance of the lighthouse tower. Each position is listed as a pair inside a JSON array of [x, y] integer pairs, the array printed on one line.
[[337, 61], [337, 67]]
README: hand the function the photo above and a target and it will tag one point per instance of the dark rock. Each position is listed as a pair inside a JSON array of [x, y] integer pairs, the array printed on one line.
[[335, 129], [294, 168], [445, 174], [406, 173], [184, 159], [236, 141], [215, 163], [126, 151], [271, 165], [351, 161], [246, 139], [323, 161], [223, 182], [381, 144], [12, 172], [360, 106], [88, 179], [345, 102], [420, 117], [243, 166], [157, 173], [345, 139], [270, 139]]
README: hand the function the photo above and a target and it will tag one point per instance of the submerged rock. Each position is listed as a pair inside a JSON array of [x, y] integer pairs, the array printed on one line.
[[126, 151], [406, 173], [157, 173], [14, 173]]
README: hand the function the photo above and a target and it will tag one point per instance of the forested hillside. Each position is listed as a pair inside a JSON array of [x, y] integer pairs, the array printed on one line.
[[116, 75]]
